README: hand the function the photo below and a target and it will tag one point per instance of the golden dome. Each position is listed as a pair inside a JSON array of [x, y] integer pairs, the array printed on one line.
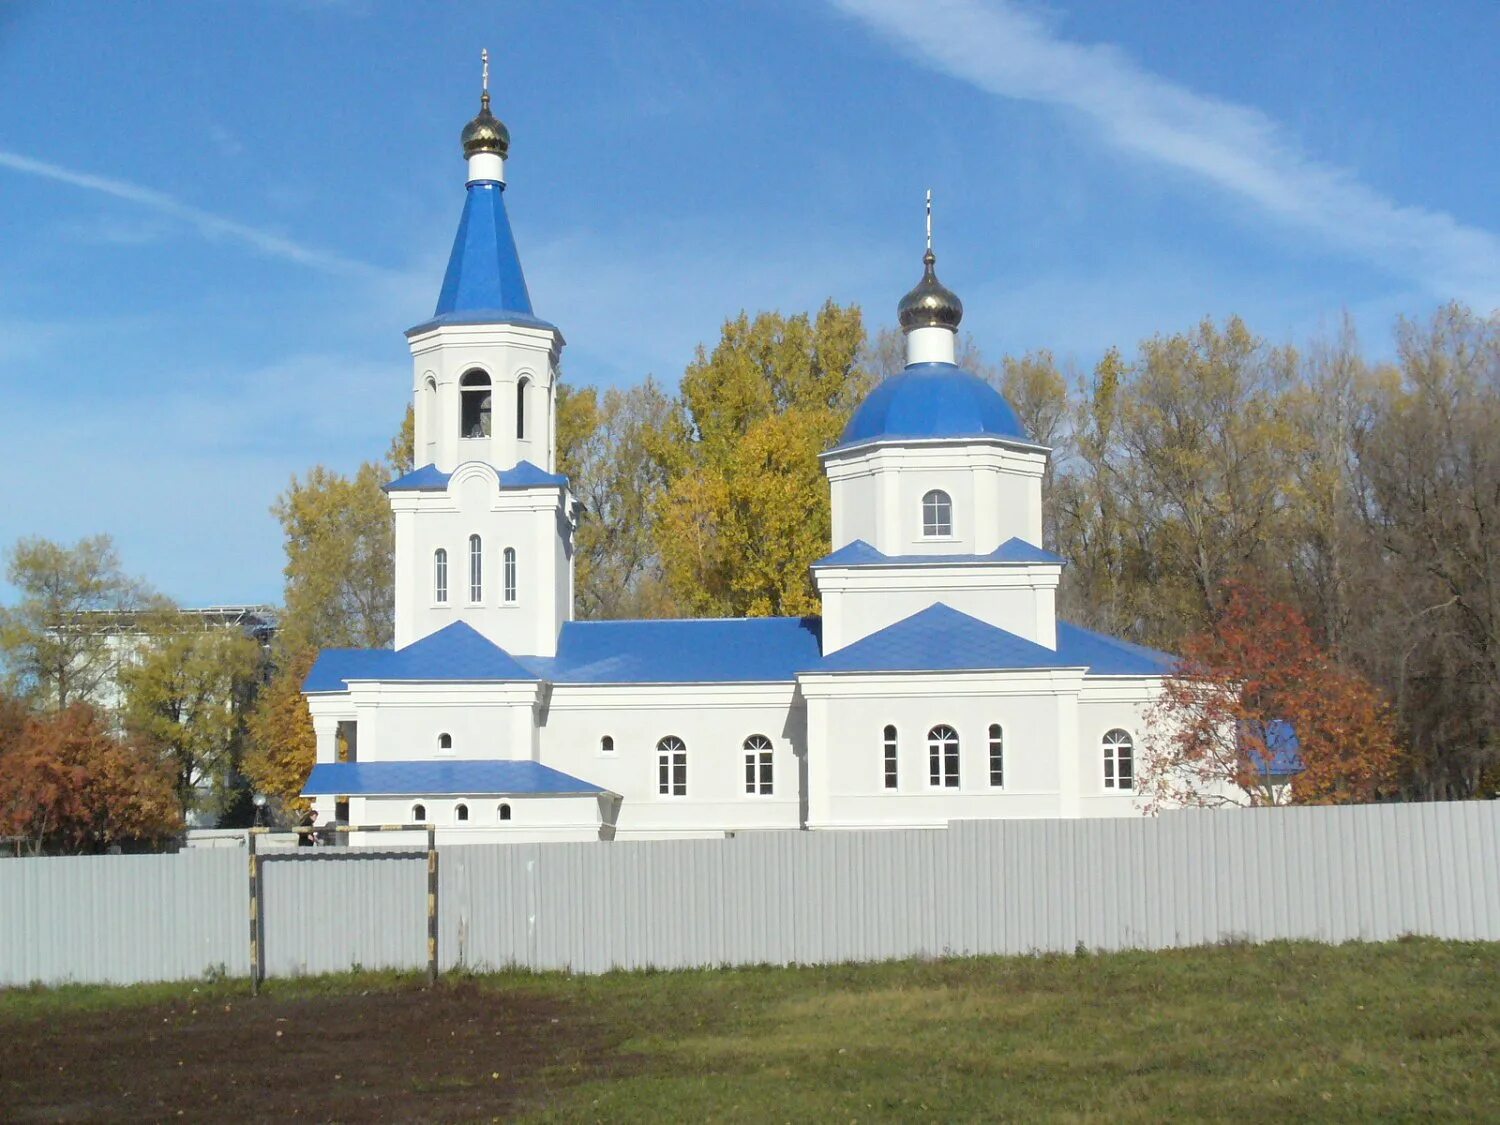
[[931, 304], [486, 133]]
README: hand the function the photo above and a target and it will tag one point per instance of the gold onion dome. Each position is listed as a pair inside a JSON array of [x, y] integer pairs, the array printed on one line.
[[486, 133], [931, 304]]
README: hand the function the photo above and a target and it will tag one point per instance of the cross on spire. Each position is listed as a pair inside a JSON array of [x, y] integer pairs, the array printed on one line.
[[929, 220], [484, 58]]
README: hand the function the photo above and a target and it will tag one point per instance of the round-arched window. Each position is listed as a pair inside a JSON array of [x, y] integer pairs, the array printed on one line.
[[504, 812], [418, 813], [942, 757], [937, 514], [1119, 760], [474, 405], [460, 811]]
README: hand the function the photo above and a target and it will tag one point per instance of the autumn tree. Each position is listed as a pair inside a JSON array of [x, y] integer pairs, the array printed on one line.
[[1254, 670], [605, 449], [283, 746], [69, 784], [186, 699], [745, 512], [56, 641]]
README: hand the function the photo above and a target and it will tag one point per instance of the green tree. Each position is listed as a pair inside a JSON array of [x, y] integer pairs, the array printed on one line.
[[57, 640], [745, 509], [187, 698]]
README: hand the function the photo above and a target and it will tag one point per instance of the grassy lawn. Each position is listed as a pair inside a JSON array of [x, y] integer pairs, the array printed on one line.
[[1407, 1030]]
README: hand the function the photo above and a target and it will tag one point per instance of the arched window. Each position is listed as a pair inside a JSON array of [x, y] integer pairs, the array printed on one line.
[[671, 767], [440, 576], [428, 437], [504, 812], [1119, 760], [510, 574], [890, 758], [607, 745], [997, 755], [460, 811], [758, 765], [418, 813], [942, 757], [445, 743], [474, 400], [523, 389], [476, 569], [937, 513]]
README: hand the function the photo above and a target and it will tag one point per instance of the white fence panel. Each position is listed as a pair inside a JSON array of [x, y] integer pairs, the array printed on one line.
[[123, 919], [1371, 873]]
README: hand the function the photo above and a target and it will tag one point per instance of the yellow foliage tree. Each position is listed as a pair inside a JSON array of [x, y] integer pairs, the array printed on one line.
[[283, 746]]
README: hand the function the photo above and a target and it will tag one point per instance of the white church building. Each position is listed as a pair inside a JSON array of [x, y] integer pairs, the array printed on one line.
[[939, 683]]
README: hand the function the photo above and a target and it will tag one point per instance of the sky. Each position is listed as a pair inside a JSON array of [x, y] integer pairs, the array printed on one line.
[[217, 220]]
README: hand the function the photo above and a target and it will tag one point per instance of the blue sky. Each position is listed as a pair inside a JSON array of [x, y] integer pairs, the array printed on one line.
[[219, 218]]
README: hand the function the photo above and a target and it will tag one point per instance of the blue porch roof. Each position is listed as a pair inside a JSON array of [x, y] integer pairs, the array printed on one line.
[[456, 652], [441, 779]]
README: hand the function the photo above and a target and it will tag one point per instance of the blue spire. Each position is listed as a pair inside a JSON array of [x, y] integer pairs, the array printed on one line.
[[484, 278]]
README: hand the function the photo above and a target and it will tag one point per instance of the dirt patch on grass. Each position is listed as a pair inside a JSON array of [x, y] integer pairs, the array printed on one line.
[[456, 1052]]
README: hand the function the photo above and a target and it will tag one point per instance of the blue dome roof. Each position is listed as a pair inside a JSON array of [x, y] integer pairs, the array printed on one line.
[[932, 400]]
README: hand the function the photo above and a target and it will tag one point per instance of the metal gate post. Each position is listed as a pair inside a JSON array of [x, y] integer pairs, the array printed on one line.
[[257, 964], [432, 905]]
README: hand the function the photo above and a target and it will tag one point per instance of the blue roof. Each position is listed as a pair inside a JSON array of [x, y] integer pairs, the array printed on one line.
[[439, 779], [940, 639], [484, 270], [723, 650], [455, 652], [860, 553], [932, 400], [1110, 656], [429, 478], [1281, 742]]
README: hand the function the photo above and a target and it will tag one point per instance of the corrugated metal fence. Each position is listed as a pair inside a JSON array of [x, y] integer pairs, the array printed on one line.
[[1369, 873]]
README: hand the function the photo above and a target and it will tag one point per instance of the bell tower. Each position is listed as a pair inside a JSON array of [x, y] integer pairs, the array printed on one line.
[[484, 525]]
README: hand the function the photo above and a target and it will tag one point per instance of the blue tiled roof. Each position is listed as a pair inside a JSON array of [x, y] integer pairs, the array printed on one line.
[[484, 270], [429, 478], [726, 650], [1281, 741], [455, 652], [440, 779], [860, 553], [932, 400], [1109, 656], [940, 639]]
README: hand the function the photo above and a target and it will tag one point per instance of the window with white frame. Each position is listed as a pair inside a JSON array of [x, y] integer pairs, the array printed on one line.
[[937, 514], [758, 767], [418, 813], [891, 779], [510, 574], [1119, 760], [476, 569], [460, 811], [942, 757], [440, 576], [671, 767], [997, 756], [474, 404]]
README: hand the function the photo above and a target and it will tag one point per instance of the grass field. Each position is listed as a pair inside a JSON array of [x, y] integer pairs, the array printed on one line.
[[1405, 1030]]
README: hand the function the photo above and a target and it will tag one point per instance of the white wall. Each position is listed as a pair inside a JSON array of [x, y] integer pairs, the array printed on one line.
[[507, 353], [995, 488], [536, 522], [535, 818], [713, 721], [847, 715], [858, 601]]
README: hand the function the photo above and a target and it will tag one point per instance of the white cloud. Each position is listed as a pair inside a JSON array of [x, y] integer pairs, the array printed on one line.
[[208, 224], [1009, 51]]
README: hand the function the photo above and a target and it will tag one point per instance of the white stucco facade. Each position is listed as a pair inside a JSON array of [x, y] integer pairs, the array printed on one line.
[[937, 685]]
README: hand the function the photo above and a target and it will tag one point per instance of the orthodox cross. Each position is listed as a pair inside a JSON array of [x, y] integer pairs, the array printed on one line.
[[929, 220]]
